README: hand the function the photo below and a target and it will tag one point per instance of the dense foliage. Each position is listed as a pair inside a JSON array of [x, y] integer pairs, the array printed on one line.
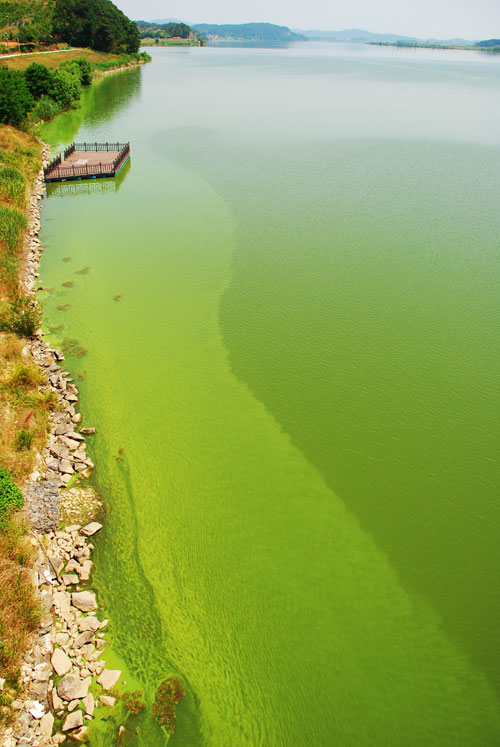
[[149, 30], [98, 24], [29, 21], [11, 497], [15, 98], [44, 91], [257, 32]]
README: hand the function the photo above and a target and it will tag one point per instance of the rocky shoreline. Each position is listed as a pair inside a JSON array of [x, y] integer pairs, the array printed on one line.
[[63, 664]]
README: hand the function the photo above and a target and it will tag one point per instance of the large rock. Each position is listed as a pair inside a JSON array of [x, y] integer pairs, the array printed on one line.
[[88, 623], [71, 687], [84, 601], [65, 467], [46, 725], [83, 638], [73, 721], [61, 662], [108, 678], [91, 528], [89, 704]]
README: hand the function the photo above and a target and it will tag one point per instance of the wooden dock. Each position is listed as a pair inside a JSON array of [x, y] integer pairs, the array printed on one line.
[[87, 161]]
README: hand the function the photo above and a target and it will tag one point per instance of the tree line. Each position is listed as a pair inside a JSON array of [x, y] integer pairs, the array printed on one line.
[[97, 24]]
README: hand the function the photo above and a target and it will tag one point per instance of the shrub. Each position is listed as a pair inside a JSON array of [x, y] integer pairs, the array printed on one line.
[[15, 98], [24, 439], [11, 497], [12, 185], [22, 318], [168, 697], [85, 69], [46, 108], [38, 79], [66, 84]]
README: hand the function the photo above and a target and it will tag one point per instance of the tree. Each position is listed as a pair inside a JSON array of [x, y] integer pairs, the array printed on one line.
[[66, 84], [15, 98], [98, 24], [38, 79]]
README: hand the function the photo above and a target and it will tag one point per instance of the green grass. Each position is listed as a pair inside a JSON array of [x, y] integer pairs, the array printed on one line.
[[12, 185], [12, 227]]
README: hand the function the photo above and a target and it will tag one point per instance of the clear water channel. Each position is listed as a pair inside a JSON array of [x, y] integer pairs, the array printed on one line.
[[290, 305]]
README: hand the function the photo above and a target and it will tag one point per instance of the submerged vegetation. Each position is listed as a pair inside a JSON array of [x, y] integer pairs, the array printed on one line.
[[168, 696]]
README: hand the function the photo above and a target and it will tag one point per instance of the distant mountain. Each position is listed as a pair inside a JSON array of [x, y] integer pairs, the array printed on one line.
[[354, 35], [161, 21], [255, 32], [488, 43]]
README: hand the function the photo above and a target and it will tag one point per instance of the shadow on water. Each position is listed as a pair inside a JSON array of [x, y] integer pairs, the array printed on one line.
[[376, 350], [89, 186], [99, 103]]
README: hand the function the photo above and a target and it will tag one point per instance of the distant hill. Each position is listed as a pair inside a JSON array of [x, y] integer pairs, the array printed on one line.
[[354, 35], [255, 32], [149, 29], [488, 43]]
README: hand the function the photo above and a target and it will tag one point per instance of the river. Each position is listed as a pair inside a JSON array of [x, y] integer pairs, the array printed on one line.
[[289, 303]]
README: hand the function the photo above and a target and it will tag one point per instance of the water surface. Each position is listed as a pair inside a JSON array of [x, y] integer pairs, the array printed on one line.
[[290, 306]]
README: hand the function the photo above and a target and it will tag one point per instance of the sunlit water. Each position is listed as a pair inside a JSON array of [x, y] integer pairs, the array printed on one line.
[[290, 303]]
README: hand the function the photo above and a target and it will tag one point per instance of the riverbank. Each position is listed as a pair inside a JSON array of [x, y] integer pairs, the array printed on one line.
[[54, 556], [70, 638]]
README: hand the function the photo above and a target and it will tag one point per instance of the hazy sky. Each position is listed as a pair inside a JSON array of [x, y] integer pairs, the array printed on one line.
[[472, 19]]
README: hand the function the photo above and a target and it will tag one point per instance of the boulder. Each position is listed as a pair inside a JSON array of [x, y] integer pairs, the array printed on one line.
[[84, 601], [46, 725], [89, 704], [60, 662], [108, 678], [65, 467], [83, 638], [71, 687], [88, 623], [73, 721], [91, 528], [107, 700]]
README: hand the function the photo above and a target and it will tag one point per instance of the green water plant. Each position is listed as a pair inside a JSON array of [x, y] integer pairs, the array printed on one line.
[[168, 696]]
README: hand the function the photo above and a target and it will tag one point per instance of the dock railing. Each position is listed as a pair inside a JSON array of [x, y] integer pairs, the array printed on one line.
[[58, 171]]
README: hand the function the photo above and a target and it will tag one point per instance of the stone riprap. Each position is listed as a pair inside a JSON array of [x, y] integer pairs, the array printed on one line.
[[70, 638]]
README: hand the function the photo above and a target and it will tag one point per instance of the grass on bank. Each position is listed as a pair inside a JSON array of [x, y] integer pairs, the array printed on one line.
[[100, 61], [25, 404]]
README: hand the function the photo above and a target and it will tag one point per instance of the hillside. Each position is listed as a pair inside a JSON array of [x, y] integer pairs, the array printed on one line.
[[255, 32], [97, 24], [167, 30]]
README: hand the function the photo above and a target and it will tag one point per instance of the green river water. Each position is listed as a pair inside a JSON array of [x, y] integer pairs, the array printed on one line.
[[302, 372]]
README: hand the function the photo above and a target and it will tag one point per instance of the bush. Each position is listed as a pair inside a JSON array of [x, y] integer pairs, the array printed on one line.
[[22, 318], [15, 98], [66, 84], [11, 497], [24, 439], [12, 185], [38, 79], [85, 70], [45, 108]]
